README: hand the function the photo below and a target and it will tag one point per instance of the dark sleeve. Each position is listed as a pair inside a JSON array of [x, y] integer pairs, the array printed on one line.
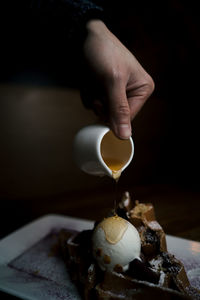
[[67, 18], [45, 35]]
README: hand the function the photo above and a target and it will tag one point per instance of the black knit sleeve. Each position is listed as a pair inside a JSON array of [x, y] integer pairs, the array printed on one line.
[[46, 35], [67, 17]]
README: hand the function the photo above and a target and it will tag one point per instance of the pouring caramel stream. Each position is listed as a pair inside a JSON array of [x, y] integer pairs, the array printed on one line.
[[115, 165], [115, 153]]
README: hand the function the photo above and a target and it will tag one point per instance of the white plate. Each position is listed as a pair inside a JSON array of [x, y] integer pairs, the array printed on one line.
[[27, 275]]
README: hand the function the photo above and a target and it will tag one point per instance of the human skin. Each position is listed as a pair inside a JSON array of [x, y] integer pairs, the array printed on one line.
[[125, 85]]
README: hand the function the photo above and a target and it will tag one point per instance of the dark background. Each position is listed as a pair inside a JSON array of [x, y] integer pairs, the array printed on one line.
[[41, 110]]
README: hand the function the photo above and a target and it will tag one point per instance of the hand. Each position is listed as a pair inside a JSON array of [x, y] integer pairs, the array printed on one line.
[[122, 85]]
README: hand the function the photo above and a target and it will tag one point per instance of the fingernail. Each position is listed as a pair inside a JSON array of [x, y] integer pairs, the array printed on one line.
[[124, 131]]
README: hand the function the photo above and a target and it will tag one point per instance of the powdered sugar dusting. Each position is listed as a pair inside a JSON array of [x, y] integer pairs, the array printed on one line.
[[38, 266], [154, 225], [188, 252]]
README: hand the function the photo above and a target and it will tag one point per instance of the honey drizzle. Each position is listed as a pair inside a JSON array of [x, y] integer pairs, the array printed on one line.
[[115, 197], [114, 228], [116, 175], [115, 166]]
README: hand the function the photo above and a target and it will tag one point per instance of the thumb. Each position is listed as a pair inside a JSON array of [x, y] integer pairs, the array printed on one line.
[[119, 112]]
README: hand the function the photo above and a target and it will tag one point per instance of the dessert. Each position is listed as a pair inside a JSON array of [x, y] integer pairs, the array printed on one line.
[[129, 262], [115, 243]]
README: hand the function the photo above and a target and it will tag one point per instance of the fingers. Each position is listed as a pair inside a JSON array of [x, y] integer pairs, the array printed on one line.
[[119, 111], [138, 96], [124, 105], [118, 105]]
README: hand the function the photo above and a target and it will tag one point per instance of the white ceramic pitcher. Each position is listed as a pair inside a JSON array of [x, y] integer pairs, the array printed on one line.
[[97, 151]]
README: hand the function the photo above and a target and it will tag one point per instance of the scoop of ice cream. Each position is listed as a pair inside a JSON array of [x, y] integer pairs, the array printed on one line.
[[116, 242]]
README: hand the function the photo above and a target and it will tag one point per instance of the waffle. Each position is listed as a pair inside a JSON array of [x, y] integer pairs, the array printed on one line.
[[157, 275]]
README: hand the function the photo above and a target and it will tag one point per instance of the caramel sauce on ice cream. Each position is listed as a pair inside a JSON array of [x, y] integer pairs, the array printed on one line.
[[114, 229]]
